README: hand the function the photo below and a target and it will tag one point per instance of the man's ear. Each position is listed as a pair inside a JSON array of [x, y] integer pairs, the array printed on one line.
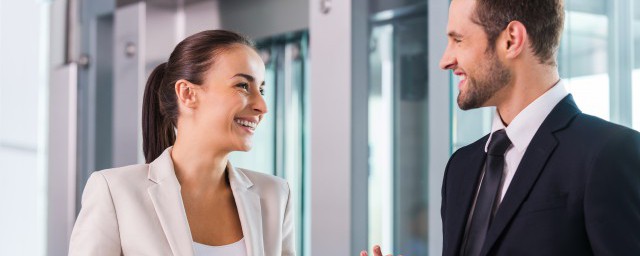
[[186, 92], [513, 40]]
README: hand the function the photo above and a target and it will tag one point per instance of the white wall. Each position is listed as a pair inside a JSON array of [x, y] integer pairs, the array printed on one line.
[[23, 76], [330, 95]]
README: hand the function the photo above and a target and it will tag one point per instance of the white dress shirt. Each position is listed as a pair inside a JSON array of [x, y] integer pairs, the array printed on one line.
[[522, 129]]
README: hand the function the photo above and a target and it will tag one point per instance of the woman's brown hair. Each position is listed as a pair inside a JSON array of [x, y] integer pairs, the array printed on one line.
[[190, 60]]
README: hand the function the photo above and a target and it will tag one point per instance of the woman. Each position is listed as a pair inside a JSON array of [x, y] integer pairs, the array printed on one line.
[[199, 106]]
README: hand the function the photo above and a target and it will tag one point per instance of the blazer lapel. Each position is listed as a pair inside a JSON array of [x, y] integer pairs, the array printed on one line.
[[465, 194], [167, 201], [535, 158], [249, 210]]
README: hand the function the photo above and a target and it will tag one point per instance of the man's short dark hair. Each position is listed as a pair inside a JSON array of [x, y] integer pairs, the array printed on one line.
[[543, 19]]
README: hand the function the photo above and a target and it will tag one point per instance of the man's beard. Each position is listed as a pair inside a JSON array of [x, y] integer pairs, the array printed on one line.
[[480, 90]]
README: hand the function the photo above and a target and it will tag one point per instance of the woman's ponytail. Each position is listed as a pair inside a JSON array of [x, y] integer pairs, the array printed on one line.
[[157, 128]]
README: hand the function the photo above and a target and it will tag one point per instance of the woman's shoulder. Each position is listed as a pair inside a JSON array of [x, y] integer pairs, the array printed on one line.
[[123, 175]]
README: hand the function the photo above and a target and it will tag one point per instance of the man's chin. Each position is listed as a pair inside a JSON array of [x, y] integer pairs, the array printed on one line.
[[466, 104]]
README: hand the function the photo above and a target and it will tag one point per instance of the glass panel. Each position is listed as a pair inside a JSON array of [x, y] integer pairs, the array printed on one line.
[[25, 63], [410, 132], [583, 58], [398, 129], [635, 88], [380, 137]]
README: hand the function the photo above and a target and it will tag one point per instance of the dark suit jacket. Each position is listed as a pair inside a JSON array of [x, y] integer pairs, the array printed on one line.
[[575, 192]]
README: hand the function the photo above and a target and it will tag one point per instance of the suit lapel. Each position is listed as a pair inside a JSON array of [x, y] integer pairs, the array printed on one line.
[[249, 210], [464, 193], [167, 202], [533, 162]]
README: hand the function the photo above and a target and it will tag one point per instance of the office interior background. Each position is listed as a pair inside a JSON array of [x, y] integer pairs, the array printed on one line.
[[362, 121]]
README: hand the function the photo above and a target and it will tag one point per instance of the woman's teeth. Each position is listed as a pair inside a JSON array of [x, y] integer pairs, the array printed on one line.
[[246, 123]]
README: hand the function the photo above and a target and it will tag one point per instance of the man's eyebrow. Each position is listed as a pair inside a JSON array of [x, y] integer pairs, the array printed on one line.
[[454, 34]]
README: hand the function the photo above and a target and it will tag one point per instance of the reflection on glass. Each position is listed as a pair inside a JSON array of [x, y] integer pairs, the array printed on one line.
[[583, 57], [380, 138], [635, 88], [398, 129]]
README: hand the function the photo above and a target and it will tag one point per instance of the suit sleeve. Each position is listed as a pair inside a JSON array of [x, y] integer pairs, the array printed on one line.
[[96, 229], [443, 203], [443, 191], [288, 227], [612, 197]]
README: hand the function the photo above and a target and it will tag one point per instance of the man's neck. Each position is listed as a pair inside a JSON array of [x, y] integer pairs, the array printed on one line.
[[526, 88]]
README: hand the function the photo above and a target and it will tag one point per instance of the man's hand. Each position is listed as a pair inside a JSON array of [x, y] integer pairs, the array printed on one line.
[[376, 252]]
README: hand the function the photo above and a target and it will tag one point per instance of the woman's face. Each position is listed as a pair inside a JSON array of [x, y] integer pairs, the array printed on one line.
[[230, 102]]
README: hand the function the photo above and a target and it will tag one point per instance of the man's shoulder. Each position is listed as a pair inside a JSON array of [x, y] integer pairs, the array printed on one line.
[[591, 128], [474, 148]]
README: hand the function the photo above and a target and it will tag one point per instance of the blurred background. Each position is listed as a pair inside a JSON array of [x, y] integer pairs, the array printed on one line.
[[362, 121]]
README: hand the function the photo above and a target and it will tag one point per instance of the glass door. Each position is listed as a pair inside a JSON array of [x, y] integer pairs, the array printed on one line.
[[398, 115]]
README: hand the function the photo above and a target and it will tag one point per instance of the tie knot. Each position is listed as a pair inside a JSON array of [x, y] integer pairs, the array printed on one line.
[[499, 143]]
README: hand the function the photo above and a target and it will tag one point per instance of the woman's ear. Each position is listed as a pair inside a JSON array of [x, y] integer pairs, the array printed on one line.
[[186, 92]]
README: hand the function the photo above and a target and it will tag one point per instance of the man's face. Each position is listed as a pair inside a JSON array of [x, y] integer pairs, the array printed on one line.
[[468, 54]]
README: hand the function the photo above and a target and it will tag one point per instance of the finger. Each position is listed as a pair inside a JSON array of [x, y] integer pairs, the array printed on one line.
[[377, 251], [363, 253]]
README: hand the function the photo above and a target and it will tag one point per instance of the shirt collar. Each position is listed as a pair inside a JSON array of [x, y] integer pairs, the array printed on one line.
[[525, 125]]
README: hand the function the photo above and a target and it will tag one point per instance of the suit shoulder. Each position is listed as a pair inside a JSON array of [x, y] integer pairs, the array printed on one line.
[[262, 178], [127, 174], [596, 131], [473, 147], [602, 127], [265, 181]]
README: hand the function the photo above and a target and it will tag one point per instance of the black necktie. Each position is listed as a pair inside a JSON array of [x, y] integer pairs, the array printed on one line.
[[486, 202]]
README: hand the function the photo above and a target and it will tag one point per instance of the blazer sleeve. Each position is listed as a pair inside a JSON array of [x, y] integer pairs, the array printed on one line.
[[96, 229], [612, 197], [288, 224]]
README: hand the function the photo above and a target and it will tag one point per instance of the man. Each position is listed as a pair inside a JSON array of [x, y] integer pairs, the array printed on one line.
[[548, 180]]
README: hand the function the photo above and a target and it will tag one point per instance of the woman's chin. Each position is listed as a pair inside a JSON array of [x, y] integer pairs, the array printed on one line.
[[245, 147]]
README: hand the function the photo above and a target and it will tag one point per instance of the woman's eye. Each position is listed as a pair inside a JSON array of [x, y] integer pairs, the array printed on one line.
[[262, 91], [244, 86]]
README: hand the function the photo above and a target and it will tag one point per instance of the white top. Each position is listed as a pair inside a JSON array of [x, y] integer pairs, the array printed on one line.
[[522, 129], [235, 249]]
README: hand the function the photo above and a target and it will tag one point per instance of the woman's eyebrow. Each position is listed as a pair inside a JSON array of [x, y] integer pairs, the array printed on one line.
[[248, 77]]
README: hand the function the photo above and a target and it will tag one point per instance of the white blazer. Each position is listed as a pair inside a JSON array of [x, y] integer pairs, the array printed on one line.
[[138, 210]]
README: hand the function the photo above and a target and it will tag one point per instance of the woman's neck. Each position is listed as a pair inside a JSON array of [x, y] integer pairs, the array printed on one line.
[[198, 168]]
